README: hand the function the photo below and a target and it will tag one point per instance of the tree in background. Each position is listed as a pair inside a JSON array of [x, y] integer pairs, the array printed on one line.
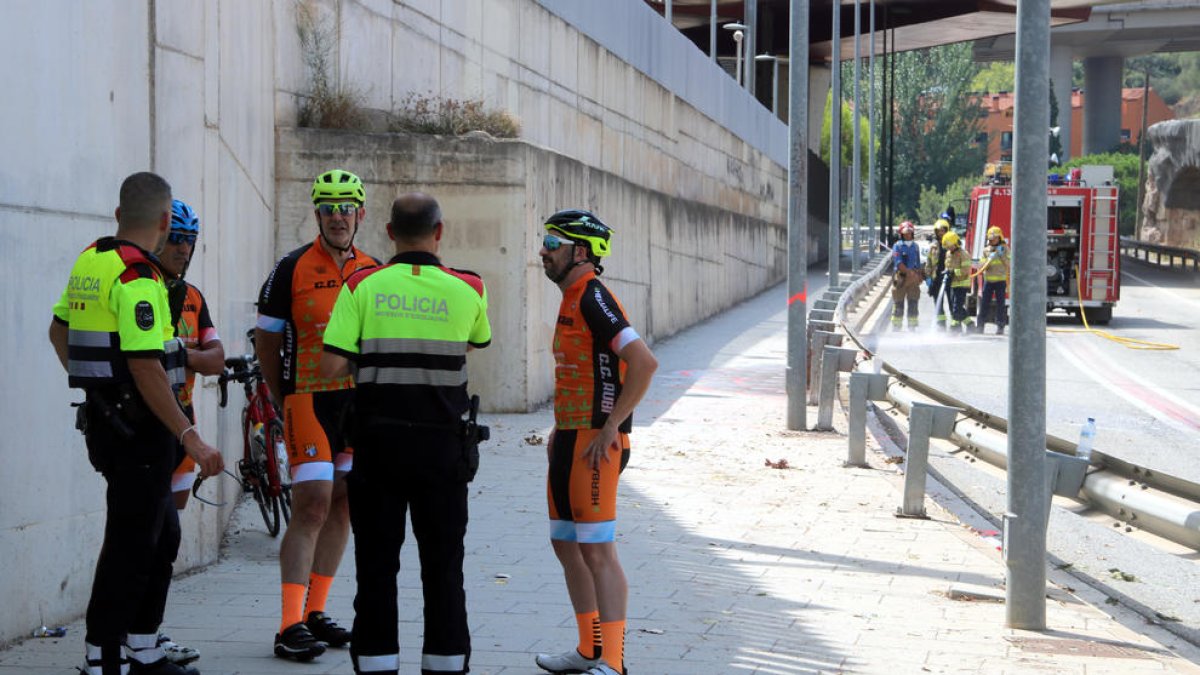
[[937, 121], [847, 136], [996, 77]]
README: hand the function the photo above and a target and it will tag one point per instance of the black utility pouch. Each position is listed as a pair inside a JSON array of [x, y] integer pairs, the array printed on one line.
[[472, 433], [81, 417]]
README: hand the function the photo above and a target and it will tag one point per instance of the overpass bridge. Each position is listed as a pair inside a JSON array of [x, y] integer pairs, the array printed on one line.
[[1112, 33]]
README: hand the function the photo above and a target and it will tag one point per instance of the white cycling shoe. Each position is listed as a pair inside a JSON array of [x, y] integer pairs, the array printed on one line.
[[567, 662], [177, 653]]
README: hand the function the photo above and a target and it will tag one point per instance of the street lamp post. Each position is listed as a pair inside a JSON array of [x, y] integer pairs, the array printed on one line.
[[739, 32], [775, 60]]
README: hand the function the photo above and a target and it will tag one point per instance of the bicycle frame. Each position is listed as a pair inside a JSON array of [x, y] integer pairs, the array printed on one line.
[[260, 476]]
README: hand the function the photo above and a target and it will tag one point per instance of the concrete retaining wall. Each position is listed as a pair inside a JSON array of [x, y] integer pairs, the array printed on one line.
[[674, 263], [196, 89]]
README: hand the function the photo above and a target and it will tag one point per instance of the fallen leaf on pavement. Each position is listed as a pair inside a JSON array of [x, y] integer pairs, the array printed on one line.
[[534, 439], [781, 464]]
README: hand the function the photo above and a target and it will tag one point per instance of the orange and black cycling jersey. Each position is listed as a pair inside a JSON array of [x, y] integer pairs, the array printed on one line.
[[591, 331], [296, 300], [193, 326]]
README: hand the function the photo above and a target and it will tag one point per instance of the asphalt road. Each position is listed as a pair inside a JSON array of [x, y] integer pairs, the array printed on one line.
[[1146, 402]]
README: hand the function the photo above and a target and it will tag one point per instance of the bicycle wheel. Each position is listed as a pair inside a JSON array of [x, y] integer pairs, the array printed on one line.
[[256, 476], [267, 505], [277, 469]]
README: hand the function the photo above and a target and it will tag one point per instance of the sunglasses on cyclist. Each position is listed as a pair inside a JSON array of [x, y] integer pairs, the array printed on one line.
[[201, 479], [552, 242], [345, 208], [181, 238]]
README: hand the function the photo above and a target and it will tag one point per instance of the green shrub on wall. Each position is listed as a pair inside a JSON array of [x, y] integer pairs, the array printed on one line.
[[429, 114]]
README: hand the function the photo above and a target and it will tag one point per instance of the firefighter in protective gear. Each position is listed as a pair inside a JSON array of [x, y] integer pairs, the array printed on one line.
[[112, 332], [906, 279], [958, 277], [995, 269], [408, 326], [935, 266]]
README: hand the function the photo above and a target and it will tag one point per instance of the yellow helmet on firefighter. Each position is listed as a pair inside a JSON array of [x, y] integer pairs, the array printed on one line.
[[949, 239], [994, 231], [941, 226]]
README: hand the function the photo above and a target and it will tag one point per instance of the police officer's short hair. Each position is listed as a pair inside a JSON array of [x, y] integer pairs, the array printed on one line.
[[145, 197], [415, 215]]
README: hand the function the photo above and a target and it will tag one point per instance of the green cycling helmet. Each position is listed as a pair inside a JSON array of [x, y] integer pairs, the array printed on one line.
[[582, 226], [338, 185]]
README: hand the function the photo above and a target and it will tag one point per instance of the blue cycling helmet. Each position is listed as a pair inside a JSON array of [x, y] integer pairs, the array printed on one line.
[[184, 219]]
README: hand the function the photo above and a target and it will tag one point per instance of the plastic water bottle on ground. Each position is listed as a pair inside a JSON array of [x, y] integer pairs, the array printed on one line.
[[1087, 437]]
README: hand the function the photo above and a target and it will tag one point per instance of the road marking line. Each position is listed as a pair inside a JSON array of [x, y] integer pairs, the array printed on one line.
[[1151, 399], [1175, 297]]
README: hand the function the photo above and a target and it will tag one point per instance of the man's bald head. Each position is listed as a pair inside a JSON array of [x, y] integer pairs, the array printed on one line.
[[415, 216]]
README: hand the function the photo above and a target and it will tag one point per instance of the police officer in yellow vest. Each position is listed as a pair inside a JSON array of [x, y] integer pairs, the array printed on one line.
[[408, 326], [995, 263], [112, 332]]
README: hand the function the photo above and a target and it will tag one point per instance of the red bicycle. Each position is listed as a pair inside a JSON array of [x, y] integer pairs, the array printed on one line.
[[264, 464]]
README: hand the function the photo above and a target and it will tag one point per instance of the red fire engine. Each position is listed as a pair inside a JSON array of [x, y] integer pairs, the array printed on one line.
[[1083, 261]]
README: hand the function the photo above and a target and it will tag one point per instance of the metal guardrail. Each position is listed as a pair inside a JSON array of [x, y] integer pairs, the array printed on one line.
[[1149, 500], [1142, 250]]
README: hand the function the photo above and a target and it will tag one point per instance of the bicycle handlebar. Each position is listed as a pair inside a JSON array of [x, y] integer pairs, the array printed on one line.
[[242, 369]]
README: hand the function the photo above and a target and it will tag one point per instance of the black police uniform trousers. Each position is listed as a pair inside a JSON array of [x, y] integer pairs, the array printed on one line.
[[141, 532], [418, 471]]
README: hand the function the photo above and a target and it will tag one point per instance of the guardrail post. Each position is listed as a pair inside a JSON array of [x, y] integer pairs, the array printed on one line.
[[833, 361], [820, 315], [863, 387], [925, 421], [820, 340], [825, 304]]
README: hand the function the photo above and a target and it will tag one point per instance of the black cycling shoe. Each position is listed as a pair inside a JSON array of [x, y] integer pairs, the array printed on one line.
[[325, 629], [297, 642], [162, 666]]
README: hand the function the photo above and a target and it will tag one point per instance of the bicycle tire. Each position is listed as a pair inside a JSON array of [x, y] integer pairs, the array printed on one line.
[[277, 472], [267, 506]]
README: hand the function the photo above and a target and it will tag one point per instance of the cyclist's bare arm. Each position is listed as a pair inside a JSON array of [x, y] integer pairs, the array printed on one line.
[[155, 388], [333, 366], [268, 348], [208, 358], [58, 338]]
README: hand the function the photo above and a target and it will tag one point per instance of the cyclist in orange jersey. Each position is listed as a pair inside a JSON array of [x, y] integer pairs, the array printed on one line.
[[602, 370], [293, 310], [204, 353], [193, 326]]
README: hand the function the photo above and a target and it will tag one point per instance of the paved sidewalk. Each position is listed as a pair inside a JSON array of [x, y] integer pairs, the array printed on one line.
[[734, 566]]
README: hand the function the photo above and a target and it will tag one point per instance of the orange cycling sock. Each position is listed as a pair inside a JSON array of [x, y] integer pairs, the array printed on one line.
[[293, 604], [613, 635], [589, 634], [318, 593]]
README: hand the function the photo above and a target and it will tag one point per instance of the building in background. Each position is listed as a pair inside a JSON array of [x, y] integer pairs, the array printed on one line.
[[997, 113]]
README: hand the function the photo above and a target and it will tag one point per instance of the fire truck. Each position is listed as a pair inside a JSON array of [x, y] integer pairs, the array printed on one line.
[[1083, 257]]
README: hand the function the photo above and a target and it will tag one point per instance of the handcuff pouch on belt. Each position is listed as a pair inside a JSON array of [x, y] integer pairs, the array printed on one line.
[[119, 408]]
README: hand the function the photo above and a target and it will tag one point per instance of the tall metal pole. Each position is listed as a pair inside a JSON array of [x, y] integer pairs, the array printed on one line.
[[1141, 179], [886, 129], [856, 172], [871, 133], [712, 31], [667, 12], [751, 20], [891, 103], [797, 375], [835, 149], [1028, 497]]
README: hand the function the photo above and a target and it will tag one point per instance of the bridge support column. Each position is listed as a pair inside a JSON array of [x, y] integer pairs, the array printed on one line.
[[1102, 103], [1061, 62]]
